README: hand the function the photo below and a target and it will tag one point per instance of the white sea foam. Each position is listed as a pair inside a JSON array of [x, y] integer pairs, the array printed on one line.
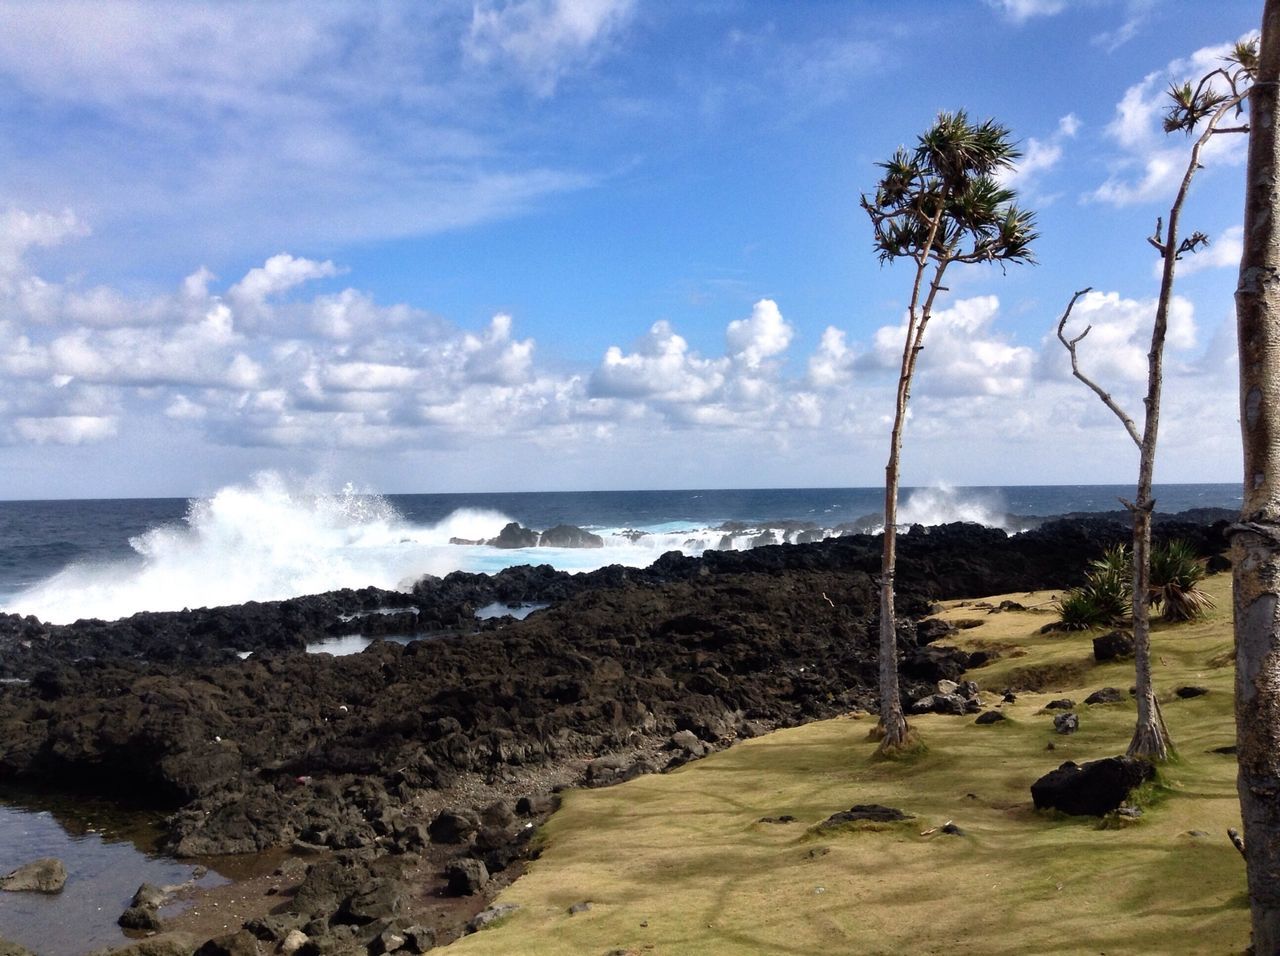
[[943, 504], [258, 542]]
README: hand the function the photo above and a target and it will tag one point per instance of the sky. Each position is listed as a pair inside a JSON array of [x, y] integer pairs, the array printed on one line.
[[511, 245]]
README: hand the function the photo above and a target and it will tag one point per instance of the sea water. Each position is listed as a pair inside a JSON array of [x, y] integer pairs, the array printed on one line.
[[267, 539]]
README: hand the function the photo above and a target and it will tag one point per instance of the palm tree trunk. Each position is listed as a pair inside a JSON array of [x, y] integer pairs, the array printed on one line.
[[1257, 538], [893, 723]]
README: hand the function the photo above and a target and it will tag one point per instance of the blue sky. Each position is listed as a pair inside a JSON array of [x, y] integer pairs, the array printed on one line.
[[574, 244]]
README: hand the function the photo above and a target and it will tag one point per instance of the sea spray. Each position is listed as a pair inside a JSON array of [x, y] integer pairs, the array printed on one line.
[[257, 542]]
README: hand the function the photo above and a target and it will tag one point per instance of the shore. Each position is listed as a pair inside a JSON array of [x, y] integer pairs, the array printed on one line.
[[382, 770]]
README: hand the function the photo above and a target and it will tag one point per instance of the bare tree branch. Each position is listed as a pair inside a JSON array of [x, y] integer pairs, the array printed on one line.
[[1070, 346]]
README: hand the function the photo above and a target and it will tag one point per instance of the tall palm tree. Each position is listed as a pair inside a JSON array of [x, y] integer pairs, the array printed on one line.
[[937, 205]]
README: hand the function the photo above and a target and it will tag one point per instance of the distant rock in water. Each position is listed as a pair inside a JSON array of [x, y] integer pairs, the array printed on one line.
[[569, 536], [515, 535]]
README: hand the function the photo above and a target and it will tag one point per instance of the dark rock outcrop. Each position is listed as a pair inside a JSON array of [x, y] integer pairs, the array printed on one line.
[[1092, 789], [1114, 645]]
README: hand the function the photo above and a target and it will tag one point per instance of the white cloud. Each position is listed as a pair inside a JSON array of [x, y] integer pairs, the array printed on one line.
[[661, 367], [20, 231], [762, 336], [1223, 252], [1022, 10], [832, 365], [279, 274], [543, 39], [1150, 163]]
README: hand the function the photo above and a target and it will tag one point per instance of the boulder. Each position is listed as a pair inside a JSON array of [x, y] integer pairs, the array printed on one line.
[[453, 826], [1113, 646], [46, 875], [1065, 703], [687, 741], [1066, 723], [1186, 693], [1107, 695], [466, 877], [1092, 789], [990, 717]]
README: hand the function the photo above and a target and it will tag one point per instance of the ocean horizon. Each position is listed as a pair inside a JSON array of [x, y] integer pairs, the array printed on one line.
[[269, 539]]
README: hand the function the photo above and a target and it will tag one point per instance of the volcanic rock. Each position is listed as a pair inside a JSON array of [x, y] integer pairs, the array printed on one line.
[[47, 875], [1092, 789], [1113, 645]]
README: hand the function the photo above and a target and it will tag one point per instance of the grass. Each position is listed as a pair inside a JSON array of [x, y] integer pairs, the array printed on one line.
[[679, 863]]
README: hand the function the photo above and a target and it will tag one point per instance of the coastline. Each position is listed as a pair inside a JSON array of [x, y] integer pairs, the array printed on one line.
[[628, 672]]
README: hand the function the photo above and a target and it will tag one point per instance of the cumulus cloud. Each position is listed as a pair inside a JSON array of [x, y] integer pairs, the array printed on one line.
[[832, 364], [761, 336], [1115, 350], [1150, 163]]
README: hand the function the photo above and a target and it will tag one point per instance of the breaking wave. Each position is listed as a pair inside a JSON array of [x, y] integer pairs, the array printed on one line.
[[269, 539]]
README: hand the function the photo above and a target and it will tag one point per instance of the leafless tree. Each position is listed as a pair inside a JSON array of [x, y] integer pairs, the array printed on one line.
[[1203, 109]]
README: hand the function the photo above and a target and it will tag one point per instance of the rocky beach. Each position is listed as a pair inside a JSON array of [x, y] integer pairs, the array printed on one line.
[[400, 787]]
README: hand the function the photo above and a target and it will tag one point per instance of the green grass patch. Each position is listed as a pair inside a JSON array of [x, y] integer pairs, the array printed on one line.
[[679, 863]]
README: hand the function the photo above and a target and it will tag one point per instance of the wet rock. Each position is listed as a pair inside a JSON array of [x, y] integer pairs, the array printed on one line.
[[1066, 723], [47, 875], [514, 536], [1112, 646], [140, 917], [1107, 695], [569, 536], [1092, 789]]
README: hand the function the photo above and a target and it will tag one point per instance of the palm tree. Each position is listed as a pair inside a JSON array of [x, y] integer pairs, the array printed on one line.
[[1203, 107], [936, 205], [1257, 538]]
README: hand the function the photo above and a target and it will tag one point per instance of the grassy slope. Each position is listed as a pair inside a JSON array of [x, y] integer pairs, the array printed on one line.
[[678, 863]]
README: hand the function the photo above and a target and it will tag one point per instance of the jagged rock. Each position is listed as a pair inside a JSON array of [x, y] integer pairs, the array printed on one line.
[[514, 536], [293, 941], [687, 741], [569, 536], [240, 943], [1107, 695], [1092, 789], [1066, 723], [47, 875], [933, 629], [1113, 646]]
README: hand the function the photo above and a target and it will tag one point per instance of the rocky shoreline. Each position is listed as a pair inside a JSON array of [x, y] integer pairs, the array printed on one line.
[[416, 773]]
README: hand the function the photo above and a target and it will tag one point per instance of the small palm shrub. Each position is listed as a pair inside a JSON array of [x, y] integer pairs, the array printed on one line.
[[1105, 599], [1176, 574]]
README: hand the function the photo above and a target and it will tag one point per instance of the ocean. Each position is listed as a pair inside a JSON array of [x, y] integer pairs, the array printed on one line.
[[267, 539]]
